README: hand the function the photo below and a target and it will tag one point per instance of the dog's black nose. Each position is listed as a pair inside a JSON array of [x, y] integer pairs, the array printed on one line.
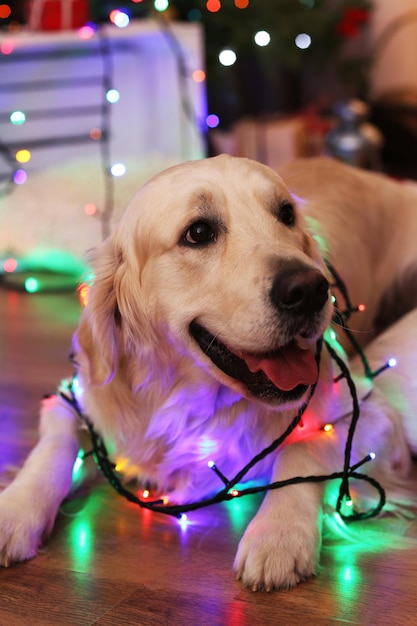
[[299, 289]]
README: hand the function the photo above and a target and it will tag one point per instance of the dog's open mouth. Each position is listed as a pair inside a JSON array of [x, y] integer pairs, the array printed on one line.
[[283, 374]]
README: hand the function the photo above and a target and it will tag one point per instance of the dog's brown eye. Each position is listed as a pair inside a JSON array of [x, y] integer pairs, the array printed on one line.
[[199, 233], [286, 214]]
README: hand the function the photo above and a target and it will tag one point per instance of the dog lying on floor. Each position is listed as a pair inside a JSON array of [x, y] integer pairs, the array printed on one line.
[[200, 338]]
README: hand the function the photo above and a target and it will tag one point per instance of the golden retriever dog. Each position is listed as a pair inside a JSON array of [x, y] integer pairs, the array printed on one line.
[[201, 342]]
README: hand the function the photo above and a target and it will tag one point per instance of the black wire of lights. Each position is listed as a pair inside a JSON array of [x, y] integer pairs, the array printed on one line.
[[230, 490]]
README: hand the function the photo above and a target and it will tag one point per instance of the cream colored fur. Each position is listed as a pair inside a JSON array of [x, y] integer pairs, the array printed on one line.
[[160, 401]]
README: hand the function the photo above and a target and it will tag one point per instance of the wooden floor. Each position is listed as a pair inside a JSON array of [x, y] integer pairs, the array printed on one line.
[[111, 564]]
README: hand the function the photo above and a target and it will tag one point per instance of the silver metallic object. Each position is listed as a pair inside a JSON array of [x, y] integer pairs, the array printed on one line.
[[354, 140]]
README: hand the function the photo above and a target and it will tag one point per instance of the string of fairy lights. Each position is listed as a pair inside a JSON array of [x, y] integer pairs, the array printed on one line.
[[18, 158], [25, 273], [121, 18], [233, 487], [21, 273]]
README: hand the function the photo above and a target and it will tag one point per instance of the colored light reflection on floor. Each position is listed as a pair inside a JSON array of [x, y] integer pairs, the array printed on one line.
[[44, 272], [349, 580], [57, 309], [352, 547], [81, 541], [241, 509]]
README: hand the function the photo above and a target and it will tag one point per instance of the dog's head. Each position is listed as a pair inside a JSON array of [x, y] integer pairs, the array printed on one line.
[[212, 261]]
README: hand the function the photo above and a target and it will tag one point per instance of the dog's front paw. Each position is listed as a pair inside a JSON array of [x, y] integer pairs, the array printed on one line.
[[277, 553], [22, 528]]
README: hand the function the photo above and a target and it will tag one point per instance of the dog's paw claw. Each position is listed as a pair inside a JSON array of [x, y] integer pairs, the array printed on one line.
[[21, 529], [275, 556], [17, 546]]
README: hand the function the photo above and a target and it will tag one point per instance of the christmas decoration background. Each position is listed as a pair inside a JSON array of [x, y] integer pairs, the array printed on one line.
[[271, 71]]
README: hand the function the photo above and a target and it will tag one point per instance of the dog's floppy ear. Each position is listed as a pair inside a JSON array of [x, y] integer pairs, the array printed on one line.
[[98, 335], [115, 328]]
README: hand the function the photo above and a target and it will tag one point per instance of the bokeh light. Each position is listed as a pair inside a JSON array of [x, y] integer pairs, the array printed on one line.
[[213, 6], [5, 11], [262, 38], [31, 284], [161, 5], [227, 57], [199, 76], [90, 209], [6, 47], [20, 177], [194, 15], [303, 41], [86, 32], [118, 169], [10, 265], [96, 133], [112, 96], [23, 156], [119, 18], [17, 118], [212, 120]]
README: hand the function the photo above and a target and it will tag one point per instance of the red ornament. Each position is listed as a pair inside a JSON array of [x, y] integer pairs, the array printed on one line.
[[351, 22]]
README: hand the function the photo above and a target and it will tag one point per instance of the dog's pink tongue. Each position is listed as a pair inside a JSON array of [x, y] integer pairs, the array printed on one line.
[[288, 367]]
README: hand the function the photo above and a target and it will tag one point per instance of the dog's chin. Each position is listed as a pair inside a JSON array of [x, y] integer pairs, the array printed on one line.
[[256, 384]]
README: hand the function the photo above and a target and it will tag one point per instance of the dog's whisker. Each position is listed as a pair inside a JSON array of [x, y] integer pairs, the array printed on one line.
[[343, 326], [213, 339]]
